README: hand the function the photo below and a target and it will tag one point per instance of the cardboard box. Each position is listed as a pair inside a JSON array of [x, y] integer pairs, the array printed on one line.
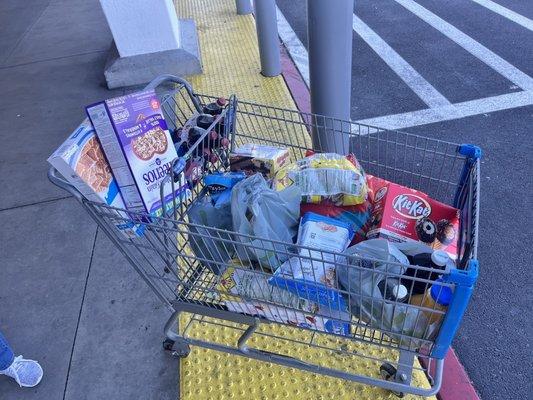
[[82, 163], [138, 146], [252, 158], [400, 214]]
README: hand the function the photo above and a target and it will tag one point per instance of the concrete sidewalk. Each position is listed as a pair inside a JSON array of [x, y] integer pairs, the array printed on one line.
[[67, 297]]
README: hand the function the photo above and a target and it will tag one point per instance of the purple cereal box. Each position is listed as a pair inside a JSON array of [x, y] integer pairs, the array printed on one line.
[[137, 143]]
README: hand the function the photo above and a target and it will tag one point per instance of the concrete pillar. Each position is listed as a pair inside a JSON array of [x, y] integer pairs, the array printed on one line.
[[149, 40], [266, 23], [330, 69], [244, 7]]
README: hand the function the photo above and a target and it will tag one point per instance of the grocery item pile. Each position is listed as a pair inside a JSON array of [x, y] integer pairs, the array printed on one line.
[[323, 244], [313, 242]]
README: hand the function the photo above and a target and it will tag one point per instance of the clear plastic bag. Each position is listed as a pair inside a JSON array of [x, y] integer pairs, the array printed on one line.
[[367, 302], [264, 213]]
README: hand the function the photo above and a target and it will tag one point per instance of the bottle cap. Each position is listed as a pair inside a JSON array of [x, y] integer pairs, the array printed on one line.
[[441, 294], [399, 291], [440, 258]]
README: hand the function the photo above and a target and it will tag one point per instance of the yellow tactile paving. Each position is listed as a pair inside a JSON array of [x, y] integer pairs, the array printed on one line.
[[230, 56], [208, 374], [228, 43], [231, 65]]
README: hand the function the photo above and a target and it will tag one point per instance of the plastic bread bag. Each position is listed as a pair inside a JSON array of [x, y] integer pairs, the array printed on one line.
[[246, 290], [325, 176], [250, 284], [268, 216], [209, 245], [311, 274], [399, 320]]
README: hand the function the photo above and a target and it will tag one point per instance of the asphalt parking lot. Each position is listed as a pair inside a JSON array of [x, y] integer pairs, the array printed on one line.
[[462, 71]]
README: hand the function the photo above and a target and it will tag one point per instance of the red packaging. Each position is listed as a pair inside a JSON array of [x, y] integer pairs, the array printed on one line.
[[400, 214]]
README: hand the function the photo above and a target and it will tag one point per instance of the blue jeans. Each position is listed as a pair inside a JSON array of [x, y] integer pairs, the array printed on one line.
[[6, 354]]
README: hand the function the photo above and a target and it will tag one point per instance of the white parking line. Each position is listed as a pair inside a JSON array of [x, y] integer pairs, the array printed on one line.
[[452, 111], [402, 68], [475, 48], [505, 12], [295, 47], [441, 113], [423, 89]]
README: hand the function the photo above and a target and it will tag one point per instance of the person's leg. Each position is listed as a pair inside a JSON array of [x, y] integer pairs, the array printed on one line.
[[6, 354], [27, 373]]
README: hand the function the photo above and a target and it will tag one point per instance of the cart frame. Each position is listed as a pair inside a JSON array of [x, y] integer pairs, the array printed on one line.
[[183, 287]]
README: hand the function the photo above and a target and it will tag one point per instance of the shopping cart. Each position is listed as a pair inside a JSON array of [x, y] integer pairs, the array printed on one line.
[[183, 262]]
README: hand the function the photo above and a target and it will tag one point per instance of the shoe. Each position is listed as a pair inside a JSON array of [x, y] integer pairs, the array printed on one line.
[[27, 373]]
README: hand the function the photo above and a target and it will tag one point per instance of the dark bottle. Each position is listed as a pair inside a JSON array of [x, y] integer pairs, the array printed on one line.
[[175, 134], [436, 260], [216, 107], [392, 289], [204, 120]]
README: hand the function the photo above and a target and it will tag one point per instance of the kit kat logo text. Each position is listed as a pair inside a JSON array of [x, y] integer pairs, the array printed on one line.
[[411, 206]]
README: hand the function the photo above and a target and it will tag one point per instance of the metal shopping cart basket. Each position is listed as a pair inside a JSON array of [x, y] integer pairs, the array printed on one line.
[[184, 265]]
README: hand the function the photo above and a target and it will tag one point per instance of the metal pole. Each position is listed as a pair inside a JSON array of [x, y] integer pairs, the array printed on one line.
[[329, 30], [267, 34], [244, 7]]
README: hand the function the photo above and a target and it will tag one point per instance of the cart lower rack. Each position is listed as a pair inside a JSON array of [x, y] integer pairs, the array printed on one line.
[[186, 263]]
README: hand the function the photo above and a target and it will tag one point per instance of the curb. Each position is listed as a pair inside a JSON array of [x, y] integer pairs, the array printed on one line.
[[456, 385], [296, 85]]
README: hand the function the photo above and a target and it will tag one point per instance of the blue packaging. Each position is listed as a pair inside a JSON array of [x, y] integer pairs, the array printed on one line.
[[311, 275]]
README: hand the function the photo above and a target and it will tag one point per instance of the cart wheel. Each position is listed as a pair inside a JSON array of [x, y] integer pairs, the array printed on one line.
[[388, 372], [181, 350], [176, 349], [167, 344]]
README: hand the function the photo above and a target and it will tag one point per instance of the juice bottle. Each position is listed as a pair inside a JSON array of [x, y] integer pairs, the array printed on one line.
[[437, 298]]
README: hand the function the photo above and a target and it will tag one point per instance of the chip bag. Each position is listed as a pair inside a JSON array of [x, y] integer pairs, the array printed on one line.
[[325, 176]]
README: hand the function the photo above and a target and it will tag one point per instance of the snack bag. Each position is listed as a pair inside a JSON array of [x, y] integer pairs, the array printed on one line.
[[358, 216], [325, 176]]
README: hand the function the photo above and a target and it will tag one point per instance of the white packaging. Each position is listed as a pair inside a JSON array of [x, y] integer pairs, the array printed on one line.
[[82, 163], [311, 275]]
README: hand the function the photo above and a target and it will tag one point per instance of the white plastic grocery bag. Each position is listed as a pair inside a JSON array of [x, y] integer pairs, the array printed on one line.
[[267, 214], [212, 247], [401, 321]]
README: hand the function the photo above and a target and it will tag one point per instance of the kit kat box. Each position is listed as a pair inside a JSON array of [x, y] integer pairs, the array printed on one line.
[[400, 214]]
